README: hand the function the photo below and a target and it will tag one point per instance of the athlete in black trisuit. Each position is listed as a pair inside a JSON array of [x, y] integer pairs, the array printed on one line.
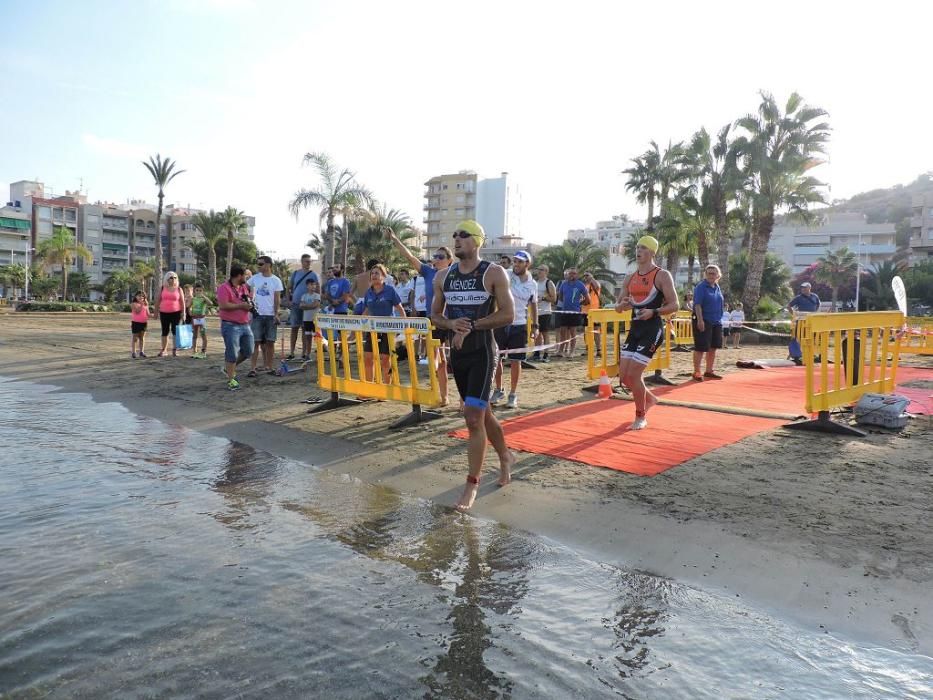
[[649, 292], [471, 299]]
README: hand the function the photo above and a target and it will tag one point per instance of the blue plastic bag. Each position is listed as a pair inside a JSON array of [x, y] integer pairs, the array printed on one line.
[[184, 336]]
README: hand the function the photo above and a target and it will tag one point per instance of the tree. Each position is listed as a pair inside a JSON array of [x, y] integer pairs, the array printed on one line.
[[14, 276], [774, 279], [338, 193], [777, 151], [630, 243], [584, 255], [368, 240], [716, 166], [212, 232], [80, 283], [143, 273], [876, 291], [62, 249], [163, 172], [119, 284], [677, 238], [232, 221], [675, 174], [836, 268], [919, 283], [643, 181]]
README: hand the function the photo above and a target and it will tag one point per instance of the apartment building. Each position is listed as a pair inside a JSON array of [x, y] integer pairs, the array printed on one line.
[[921, 228], [15, 235], [801, 246], [610, 235], [449, 199]]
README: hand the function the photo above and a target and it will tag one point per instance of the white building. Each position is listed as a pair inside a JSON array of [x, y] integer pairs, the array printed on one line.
[[499, 209], [610, 235], [801, 246]]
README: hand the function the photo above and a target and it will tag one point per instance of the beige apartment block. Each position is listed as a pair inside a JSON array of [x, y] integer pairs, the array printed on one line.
[[921, 228], [448, 200]]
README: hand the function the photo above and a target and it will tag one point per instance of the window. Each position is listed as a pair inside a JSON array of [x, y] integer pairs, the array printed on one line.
[[461, 198], [443, 212], [93, 220], [445, 186], [458, 212], [45, 213], [45, 227]]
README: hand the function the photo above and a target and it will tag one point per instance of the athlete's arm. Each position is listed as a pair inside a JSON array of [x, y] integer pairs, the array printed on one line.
[[625, 302], [403, 249], [438, 303], [505, 305]]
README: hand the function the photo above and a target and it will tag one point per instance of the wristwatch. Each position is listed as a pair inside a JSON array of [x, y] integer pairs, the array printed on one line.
[[472, 325]]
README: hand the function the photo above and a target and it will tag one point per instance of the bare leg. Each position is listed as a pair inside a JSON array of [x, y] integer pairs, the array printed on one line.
[[194, 338], [633, 377], [515, 371], [442, 375], [368, 365], [203, 340], [386, 363], [164, 344], [268, 351], [710, 360], [497, 439], [697, 359], [476, 453], [499, 375], [254, 360], [142, 341], [295, 331]]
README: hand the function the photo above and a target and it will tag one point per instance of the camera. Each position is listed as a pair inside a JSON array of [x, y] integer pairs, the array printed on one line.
[[252, 304]]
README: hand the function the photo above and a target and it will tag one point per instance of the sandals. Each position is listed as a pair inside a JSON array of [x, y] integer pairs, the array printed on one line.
[[252, 373], [711, 375]]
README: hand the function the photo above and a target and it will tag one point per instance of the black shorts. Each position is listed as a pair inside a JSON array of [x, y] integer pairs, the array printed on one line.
[[709, 339], [510, 338], [569, 320], [643, 340], [138, 326], [308, 327], [545, 322], [383, 343], [473, 372], [169, 321]]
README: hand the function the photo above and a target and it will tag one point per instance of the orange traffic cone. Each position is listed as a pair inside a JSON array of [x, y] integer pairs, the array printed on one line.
[[605, 388]]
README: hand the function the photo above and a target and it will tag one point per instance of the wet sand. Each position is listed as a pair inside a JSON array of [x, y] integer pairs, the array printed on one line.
[[833, 533]]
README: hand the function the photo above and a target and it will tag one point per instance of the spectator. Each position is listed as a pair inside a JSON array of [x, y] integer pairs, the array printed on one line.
[[804, 303], [406, 290], [688, 302], [297, 287], [337, 291], [505, 262], [309, 304], [707, 323], [267, 292], [573, 295], [737, 321], [547, 295], [380, 300], [593, 288], [200, 306], [234, 304], [138, 322], [170, 305]]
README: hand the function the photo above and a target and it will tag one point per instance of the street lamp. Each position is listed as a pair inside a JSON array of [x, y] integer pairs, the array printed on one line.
[[858, 270], [28, 268]]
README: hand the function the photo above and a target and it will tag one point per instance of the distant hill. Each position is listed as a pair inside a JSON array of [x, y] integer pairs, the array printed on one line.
[[890, 205]]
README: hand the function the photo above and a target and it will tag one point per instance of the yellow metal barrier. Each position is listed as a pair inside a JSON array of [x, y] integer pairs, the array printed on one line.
[[614, 326], [845, 356], [682, 328], [918, 340], [336, 373]]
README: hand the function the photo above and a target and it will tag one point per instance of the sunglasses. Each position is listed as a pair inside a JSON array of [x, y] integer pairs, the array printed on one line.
[[462, 234], [439, 256]]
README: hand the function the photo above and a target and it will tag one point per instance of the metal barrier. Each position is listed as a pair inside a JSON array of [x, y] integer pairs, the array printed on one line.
[[682, 328], [918, 339], [614, 326], [336, 372], [864, 350]]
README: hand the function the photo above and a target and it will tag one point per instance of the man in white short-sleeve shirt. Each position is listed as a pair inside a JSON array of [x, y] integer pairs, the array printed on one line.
[[524, 290], [267, 294]]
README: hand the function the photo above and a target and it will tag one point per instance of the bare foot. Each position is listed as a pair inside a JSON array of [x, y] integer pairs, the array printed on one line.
[[640, 423], [505, 469], [469, 495]]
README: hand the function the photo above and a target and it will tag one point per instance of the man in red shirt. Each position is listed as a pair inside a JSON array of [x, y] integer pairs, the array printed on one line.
[[234, 304]]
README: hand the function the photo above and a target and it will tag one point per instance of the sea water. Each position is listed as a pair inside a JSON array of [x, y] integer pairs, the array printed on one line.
[[142, 559]]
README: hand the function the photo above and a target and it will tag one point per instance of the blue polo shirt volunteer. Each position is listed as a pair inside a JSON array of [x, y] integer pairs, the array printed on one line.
[[573, 294], [336, 288], [707, 299], [381, 303], [806, 302]]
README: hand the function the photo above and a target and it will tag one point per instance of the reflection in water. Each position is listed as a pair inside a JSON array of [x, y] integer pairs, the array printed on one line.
[[140, 559]]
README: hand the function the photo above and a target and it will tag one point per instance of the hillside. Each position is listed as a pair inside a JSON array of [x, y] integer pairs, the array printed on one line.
[[890, 205]]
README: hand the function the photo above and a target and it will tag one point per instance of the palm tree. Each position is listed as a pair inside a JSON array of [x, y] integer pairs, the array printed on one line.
[[339, 192], [212, 232], [778, 150], [15, 276], [630, 243], [233, 222], [368, 240], [876, 288], [675, 174], [584, 255], [677, 236], [163, 172], [643, 181], [143, 273], [836, 268], [716, 166], [62, 249]]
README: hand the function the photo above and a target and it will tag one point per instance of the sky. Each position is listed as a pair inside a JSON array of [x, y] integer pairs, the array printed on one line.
[[561, 95]]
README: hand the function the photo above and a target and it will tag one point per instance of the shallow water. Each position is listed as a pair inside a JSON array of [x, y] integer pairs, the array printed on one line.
[[141, 559]]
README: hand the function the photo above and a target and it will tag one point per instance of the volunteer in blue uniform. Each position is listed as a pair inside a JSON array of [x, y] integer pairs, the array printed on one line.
[[380, 300], [804, 303], [649, 292], [471, 299]]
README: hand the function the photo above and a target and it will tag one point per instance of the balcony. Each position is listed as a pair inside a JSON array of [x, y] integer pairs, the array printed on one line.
[[116, 240], [114, 225]]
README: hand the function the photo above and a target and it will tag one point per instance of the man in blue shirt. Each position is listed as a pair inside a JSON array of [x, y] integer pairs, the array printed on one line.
[[440, 260], [573, 296], [805, 302], [337, 291], [297, 285], [708, 305]]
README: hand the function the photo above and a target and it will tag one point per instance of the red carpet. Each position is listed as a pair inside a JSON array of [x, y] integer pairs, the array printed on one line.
[[597, 432], [917, 385]]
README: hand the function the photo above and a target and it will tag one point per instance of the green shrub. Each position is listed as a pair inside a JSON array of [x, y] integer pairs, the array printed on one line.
[[59, 306]]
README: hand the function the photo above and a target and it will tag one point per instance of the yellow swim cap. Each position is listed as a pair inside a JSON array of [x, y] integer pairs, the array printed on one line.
[[649, 242], [475, 230]]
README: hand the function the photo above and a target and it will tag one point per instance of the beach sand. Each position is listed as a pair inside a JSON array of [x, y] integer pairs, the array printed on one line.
[[833, 533]]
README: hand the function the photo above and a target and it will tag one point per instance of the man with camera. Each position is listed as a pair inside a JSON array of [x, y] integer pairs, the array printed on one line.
[[234, 304], [267, 292]]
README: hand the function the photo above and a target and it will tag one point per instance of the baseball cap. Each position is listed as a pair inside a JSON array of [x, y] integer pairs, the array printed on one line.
[[806, 284], [523, 256]]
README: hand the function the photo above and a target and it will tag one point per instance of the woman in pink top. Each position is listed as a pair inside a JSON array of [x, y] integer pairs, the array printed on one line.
[[170, 305], [138, 322]]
